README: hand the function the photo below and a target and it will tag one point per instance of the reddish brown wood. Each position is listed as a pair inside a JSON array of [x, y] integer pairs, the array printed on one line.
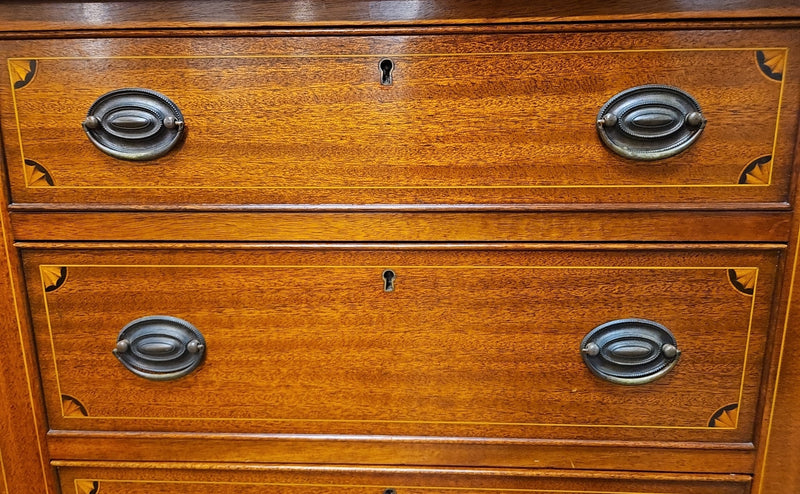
[[127, 478], [49, 15], [777, 467], [389, 30], [495, 333], [469, 119], [552, 226], [426, 196], [534, 454], [23, 461]]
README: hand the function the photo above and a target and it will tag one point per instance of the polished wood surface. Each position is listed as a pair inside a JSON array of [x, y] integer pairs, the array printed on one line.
[[781, 460], [778, 469], [23, 462], [393, 450], [325, 178], [550, 226], [52, 15], [80, 478], [309, 341], [468, 119]]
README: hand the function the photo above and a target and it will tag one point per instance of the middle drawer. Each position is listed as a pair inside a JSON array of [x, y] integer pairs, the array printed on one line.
[[405, 340]]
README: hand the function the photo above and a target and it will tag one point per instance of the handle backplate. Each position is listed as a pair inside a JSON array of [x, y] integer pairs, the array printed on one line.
[[160, 348], [630, 351], [650, 122], [134, 124]]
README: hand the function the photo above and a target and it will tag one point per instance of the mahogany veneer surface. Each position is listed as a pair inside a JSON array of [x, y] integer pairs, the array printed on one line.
[[47, 15], [470, 342], [200, 479], [477, 177], [467, 119]]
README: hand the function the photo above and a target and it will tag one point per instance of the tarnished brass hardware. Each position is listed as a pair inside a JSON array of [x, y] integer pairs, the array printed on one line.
[[171, 122], [609, 119], [91, 122], [160, 348], [134, 124], [669, 351], [123, 346], [388, 280], [195, 346], [695, 119], [387, 67], [650, 122], [591, 349], [630, 351]]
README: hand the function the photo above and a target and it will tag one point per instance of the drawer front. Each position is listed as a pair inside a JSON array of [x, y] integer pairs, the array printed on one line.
[[224, 479], [459, 342], [465, 120]]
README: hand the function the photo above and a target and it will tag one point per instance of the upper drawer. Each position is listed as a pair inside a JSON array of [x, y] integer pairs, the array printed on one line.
[[456, 119], [462, 342]]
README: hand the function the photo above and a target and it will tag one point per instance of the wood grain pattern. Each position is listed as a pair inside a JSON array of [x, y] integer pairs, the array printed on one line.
[[200, 479], [302, 178], [446, 353], [299, 226], [48, 15], [23, 465], [536, 454], [3, 477], [777, 468], [470, 119]]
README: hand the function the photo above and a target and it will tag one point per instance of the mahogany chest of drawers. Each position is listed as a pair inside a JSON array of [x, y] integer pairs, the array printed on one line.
[[399, 247]]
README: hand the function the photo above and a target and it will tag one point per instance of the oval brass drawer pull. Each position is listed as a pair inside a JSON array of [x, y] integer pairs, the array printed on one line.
[[630, 351], [160, 348], [650, 122], [134, 124]]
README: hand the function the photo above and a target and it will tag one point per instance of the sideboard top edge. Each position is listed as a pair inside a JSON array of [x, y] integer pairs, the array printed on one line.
[[58, 16]]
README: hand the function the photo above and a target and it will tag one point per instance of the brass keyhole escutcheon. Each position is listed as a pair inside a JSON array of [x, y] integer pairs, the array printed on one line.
[[388, 280], [387, 67]]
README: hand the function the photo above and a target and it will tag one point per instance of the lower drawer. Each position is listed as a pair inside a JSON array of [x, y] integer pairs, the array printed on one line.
[[254, 479], [405, 341]]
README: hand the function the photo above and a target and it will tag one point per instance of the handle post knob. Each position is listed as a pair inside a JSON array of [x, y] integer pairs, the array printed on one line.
[[91, 122], [195, 346], [670, 351], [591, 349], [123, 346], [695, 119], [607, 120]]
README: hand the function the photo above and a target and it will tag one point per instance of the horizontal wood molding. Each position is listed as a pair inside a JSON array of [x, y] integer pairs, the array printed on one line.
[[748, 227], [377, 450], [112, 477], [153, 14]]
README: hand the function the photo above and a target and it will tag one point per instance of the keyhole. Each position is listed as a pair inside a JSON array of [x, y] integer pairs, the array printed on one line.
[[388, 280], [386, 66]]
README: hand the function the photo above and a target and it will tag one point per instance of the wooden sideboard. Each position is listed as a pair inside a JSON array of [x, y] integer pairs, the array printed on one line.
[[399, 247]]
